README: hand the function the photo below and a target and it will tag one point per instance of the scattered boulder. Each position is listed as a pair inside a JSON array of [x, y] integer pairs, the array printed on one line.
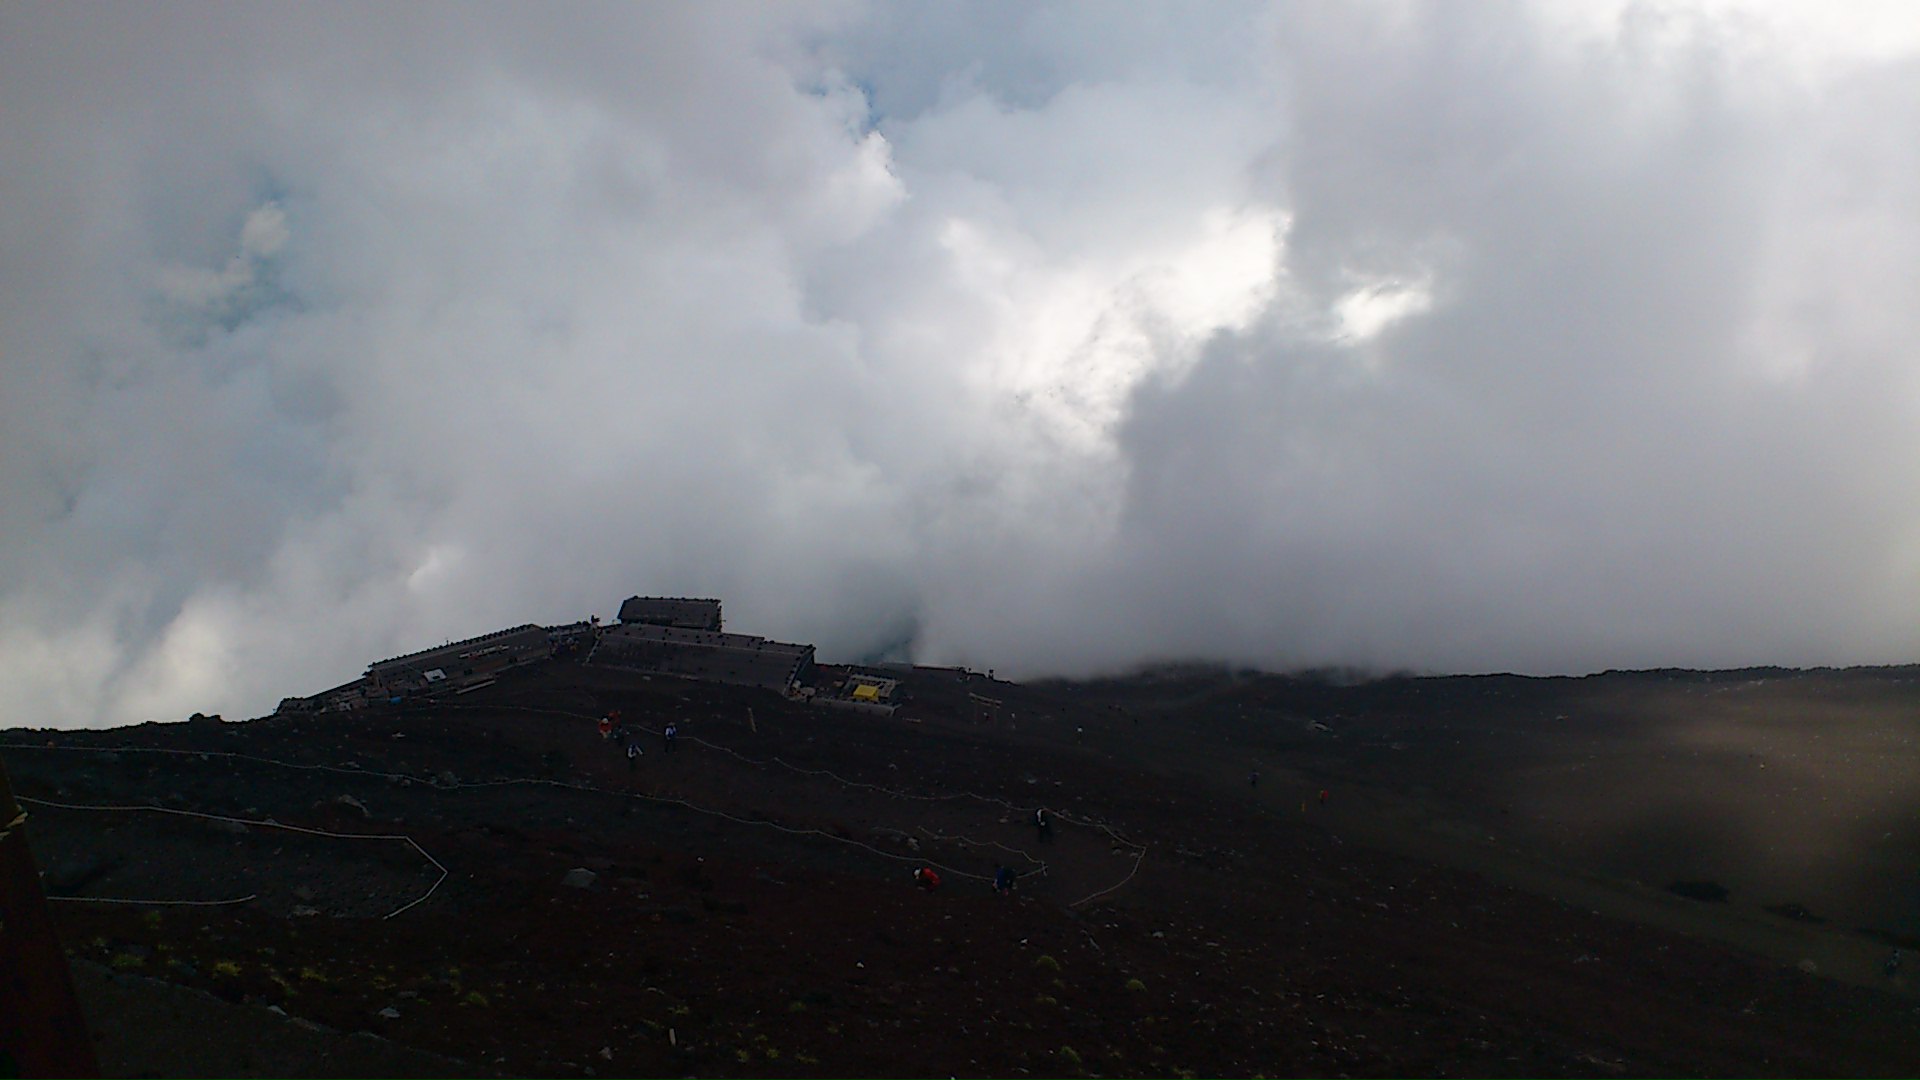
[[1808, 966], [390, 1013], [353, 804], [579, 878]]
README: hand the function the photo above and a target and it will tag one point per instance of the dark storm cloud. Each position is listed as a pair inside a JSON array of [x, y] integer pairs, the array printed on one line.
[[1048, 338]]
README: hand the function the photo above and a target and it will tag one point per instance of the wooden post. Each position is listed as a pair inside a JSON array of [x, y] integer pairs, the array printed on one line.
[[42, 1031]]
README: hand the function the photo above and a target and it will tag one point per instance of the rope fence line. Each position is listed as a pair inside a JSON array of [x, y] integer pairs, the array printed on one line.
[[408, 840], [507, 782], [668, 800], [1140, 849], [943, 838], [349, 771], [1138, 856], [156, 903], [836, 777]]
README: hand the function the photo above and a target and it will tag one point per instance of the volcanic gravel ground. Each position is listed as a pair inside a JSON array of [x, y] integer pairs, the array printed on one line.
[[750, 916]]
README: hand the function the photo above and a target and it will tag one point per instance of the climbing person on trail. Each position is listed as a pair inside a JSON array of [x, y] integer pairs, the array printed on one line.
[[671, 733], [926, 878], [1043, 822], [633, 756], [606, 727], [1253, 778], [1323, 796], [1003, 880]]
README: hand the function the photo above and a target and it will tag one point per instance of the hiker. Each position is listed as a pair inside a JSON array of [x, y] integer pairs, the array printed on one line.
[[606, 727], [1044, 823], [1892, 967], [1323, 796], [633, 756], [926, 878], [1003, 880], [1253, 778], [671, 733]]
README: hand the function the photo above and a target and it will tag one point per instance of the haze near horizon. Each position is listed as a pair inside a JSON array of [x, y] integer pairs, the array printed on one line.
[[1049, 338]]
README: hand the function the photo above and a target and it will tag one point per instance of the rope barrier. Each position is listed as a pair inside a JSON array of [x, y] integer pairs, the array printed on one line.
[[155, 903], [668, 800], [408, 840], [1139, 848], [511, 781], [943, 838], [1142, 854], [836, 777]]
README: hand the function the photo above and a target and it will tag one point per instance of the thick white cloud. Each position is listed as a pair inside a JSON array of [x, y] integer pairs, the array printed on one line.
[[1044, 337]]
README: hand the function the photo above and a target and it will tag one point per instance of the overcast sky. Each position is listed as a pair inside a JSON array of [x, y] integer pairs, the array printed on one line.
[[1055, 339]]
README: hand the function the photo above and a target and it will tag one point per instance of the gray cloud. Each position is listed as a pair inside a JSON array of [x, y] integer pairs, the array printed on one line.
[[1049, 338]]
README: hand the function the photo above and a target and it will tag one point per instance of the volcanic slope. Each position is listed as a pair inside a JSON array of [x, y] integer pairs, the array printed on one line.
[[751, 911]]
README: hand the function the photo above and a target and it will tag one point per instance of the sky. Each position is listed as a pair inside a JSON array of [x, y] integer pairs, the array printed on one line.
[[1056, 339]]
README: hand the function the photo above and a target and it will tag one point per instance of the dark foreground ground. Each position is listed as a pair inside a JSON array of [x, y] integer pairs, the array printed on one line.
[[1482, 892]]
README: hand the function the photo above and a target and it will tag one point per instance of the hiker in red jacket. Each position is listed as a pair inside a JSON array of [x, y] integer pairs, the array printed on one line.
[[926, 878]]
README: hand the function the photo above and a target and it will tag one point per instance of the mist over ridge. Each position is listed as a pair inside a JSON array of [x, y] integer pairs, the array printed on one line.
[[1055, 339]]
